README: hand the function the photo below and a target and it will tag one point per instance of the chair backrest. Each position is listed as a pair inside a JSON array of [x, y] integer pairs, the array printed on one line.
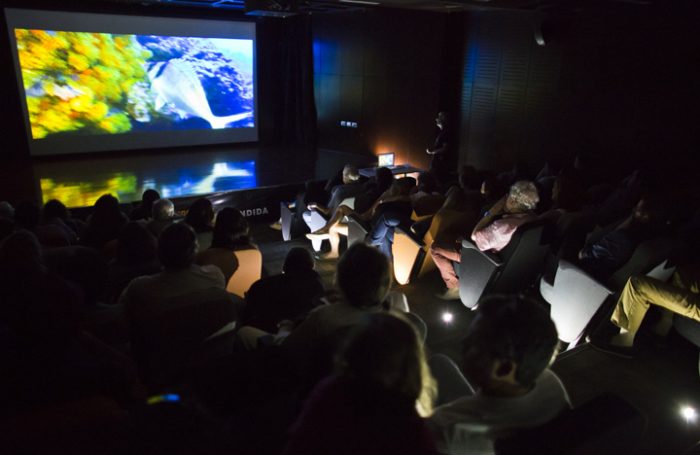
[[574, 299], [220, 257], [663, 271], [348, 201], [204, 239], [512, 270], [286, 218], [475, 270], [688, 328], [427, 205], [406, 251], [606, 424], [356, 231], [315, 221], [646, 256], [523, 257], [249, 271], [165, 337]]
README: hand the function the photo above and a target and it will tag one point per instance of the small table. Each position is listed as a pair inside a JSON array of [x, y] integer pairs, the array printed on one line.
[[399, 169]]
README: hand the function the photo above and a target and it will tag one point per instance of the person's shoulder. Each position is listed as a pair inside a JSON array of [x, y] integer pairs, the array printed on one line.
[[550, 388], [269, 283], [208, 271]]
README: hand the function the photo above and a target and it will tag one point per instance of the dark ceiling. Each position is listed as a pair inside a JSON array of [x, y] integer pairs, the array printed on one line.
[[329, 6]]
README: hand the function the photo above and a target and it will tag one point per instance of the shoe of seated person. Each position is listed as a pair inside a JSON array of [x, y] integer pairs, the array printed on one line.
[[326, 257], [449, 294], [318, 235]]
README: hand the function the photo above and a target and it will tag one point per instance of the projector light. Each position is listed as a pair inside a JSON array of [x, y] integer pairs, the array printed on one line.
[[447, 317], [689, 414]]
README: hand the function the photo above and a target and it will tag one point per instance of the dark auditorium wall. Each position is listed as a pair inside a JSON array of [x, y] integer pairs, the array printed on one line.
[[388, 70], [509, 90], [613, 83]]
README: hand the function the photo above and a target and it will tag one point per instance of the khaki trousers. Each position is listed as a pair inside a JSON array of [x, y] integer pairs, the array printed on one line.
[[681, 296]]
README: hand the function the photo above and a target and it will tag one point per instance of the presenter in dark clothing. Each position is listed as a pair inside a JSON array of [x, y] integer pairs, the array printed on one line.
[[439, 150]]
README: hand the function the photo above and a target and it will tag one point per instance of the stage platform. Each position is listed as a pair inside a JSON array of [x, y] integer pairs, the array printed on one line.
[[250, 177]]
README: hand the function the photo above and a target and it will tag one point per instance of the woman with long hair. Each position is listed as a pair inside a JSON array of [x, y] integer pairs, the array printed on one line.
[[375, 400]]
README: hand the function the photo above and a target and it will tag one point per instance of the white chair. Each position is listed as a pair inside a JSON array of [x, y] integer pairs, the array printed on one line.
[[574, 298], [315, 221], [286, 219], [662, 272]]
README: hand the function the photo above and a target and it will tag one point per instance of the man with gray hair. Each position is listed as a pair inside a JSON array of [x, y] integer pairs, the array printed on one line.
[[491, 233], [163, 212], [352, 186]]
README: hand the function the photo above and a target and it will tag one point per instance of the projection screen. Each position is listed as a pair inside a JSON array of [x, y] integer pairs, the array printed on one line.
[[93, 82]]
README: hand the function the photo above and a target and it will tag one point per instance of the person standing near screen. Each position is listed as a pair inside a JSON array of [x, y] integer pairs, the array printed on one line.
[[439, 150]]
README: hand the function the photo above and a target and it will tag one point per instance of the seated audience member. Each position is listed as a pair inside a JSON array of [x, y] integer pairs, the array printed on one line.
[[506, 383], [136, 255], [7, 227], [56, 214], [351, 187], [177, 247], [232, 231], [144, 210], [604, 256], [567, 197], [491, 191], [289, 296], [621, 199], [46, 357], [458, 214], [465, 195], [491, 233], [365, 206], [28, 216], [374, 188], [6, 210], [200, 217], [230, 234], [363, 278], [369, 405], [105, 222], [162, 214], [389, 213], [681, 296], [425, 185]]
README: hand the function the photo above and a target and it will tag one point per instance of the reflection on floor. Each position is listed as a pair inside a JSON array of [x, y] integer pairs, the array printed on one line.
[[79, 181]]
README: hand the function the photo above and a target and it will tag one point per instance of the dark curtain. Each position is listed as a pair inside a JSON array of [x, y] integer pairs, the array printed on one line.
[[285, 82]]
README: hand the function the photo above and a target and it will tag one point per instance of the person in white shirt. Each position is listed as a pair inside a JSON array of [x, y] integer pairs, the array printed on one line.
[[505, 358]]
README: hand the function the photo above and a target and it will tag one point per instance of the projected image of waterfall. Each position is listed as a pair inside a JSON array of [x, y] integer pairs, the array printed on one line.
[[101, 83]]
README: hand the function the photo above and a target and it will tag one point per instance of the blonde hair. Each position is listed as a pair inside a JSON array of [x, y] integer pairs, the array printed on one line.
[[385, 349], [524, 194]]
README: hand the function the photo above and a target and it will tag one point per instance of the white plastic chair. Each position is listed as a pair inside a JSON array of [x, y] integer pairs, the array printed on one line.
[[574, 298]]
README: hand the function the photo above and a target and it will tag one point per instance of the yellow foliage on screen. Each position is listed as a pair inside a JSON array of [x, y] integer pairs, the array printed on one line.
[[79, 80]]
